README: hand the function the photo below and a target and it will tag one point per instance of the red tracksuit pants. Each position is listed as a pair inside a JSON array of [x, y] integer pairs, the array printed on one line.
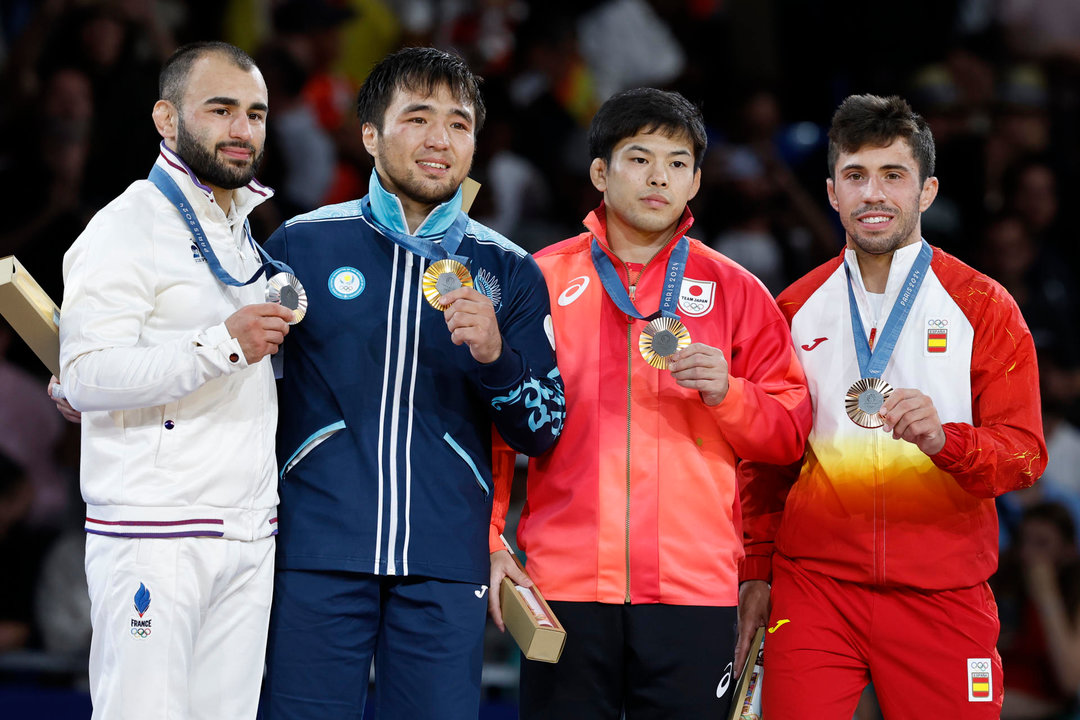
[[930, 654]]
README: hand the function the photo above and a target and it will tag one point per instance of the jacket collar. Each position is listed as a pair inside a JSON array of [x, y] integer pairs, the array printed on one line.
[[596, 223], [388, 212], [200, 195]]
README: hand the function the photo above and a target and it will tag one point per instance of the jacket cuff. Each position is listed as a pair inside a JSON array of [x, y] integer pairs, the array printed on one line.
[[731, 407], [756, 567], [505, 371], [952, 452], [495, 542], [218, 339]]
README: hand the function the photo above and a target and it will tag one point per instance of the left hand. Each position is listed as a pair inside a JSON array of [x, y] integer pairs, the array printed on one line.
[[703, 368], [57, 396], [910, 415], [470, 317], [753, 614]]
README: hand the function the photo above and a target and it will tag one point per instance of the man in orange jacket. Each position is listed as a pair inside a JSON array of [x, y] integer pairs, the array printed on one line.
[[926, 407], [677, 364]]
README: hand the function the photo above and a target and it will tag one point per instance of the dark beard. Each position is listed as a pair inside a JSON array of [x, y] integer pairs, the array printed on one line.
[[208, 168]]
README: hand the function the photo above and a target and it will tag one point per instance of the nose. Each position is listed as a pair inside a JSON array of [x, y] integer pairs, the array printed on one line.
[[241, 127], [437, 138], [874, 190], [658, 176]]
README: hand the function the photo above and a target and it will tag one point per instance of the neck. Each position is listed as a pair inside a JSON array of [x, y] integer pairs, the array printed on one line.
[[874, 270], [415, 213], [223, 198], [633, 245]]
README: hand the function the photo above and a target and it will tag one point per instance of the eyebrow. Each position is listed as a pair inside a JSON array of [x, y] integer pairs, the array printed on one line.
[[425, 107], [643, 149], [233, 102], [856, 166]]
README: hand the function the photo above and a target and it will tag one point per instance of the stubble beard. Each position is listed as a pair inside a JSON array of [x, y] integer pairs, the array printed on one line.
[[882, 245], [415, 188], [206, 166]]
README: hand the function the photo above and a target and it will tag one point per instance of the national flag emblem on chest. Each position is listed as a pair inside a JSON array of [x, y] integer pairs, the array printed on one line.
[[937, 335], [696, 297]]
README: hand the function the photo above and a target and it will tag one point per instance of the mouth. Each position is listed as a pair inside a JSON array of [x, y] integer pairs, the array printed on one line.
[[655, 201], [234, 152], [875, 219], [435, 167]]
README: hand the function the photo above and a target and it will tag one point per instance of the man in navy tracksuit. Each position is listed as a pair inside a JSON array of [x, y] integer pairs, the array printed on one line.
[[393, 384]]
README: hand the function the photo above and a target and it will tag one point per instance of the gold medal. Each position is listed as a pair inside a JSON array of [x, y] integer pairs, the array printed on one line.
[[285, 290], [442, 277], [864, 400], [660, 339]]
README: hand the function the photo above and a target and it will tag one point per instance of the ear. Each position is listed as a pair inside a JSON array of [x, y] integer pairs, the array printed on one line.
[[928, 194], [830, 189], [166, 119], [370, 136], [598, 174], [696, 186]]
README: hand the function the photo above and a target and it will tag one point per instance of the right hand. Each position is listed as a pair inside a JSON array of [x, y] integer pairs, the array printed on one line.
[[503, 565], [260, 329], [57, 396]]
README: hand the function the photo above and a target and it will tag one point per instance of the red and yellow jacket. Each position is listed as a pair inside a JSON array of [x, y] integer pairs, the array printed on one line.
[[870, 509], [637, 502]]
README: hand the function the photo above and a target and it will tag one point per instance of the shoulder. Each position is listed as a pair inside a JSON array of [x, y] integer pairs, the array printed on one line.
[[570, 246], [795, 296], [485, 236], [328, 213], [123, 222], [979, 296]]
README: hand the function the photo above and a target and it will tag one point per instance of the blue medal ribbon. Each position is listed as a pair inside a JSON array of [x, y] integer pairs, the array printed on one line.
[[669, 298], [171, 190], [872, 363], [423, 247]]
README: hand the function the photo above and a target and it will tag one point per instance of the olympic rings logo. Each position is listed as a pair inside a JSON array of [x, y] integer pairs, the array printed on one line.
[[140, 633], [937, 323], [980, 665]]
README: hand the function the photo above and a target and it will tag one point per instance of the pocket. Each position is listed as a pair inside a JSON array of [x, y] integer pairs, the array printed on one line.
[[314, 440], [468, 461]]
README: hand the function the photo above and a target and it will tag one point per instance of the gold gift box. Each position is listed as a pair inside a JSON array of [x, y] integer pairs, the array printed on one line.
[[534, 626], [31, 312]]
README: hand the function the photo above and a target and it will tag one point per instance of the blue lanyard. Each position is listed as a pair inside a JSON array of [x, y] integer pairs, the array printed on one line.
[[872, 364], [669, 299], [423, 247], [171, 190]]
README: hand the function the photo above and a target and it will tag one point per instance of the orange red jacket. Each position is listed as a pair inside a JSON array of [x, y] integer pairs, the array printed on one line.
[[638, 501], [867, 508]]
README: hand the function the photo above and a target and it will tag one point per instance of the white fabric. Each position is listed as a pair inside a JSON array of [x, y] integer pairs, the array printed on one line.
[[173, 427], [205, 627]]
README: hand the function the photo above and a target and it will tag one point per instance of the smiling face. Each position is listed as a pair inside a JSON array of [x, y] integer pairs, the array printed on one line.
[[424, 150], [647, 184], [219, 129], [879, 197]]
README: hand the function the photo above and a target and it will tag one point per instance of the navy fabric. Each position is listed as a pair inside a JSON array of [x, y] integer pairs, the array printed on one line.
[[405, 487], [426, 637]]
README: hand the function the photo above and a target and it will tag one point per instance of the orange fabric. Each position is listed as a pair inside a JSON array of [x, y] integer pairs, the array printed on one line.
[[637, 502], [874, 510]]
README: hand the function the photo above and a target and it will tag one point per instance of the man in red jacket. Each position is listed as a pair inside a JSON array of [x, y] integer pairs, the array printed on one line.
[[677, 363], [926, 407]]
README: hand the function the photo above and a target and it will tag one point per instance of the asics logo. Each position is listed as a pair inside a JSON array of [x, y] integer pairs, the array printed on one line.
[[573, 290], [480, 593], [817, 341]]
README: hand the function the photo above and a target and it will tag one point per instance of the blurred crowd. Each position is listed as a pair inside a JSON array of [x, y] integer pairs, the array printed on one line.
[[998, 80]]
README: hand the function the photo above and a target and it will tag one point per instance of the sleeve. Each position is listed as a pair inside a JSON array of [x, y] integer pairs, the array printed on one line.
[[523, 386], [766, 414], [1004, 448], [763, 491], [502, 474], [110, 281]]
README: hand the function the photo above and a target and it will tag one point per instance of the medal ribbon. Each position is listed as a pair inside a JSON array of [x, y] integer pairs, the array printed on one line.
[[669, 298], [872, 363], [423, 247], [171, 190]]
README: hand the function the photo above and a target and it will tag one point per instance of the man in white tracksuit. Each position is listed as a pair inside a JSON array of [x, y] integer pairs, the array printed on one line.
[[168, 362]]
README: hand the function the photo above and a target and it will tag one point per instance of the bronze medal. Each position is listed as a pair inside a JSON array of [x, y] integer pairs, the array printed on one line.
[[660, 339], [864, 400]]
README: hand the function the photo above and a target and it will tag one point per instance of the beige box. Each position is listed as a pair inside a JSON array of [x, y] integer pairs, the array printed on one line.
[[535, 628], [31, 312]]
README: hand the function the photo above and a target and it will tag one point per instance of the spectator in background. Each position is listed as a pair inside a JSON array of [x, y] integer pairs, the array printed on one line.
[[21, 552], [1038, 593]]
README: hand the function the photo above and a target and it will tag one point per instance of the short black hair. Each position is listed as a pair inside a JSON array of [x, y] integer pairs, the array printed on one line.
[[863, 120], [174, 73], [420, 70], [646, 110]]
